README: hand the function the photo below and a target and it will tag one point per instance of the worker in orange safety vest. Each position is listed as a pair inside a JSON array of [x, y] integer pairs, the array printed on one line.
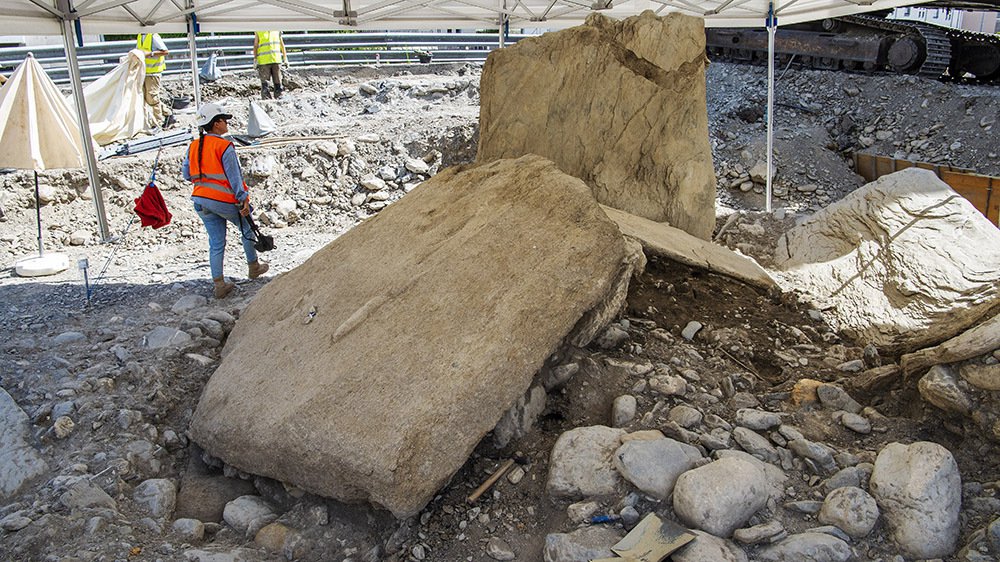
[[219, 194]]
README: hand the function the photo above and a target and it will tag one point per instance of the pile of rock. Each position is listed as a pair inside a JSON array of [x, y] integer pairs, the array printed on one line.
[[730, 482]]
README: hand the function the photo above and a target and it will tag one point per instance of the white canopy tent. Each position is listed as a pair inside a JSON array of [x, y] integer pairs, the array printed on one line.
[[55, 17], [132, 16]]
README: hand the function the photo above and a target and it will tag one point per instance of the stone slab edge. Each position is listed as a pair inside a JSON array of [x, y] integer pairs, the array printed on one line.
[[664, 240]]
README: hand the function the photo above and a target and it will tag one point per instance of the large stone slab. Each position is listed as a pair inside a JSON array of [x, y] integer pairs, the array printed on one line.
[[619, 104], [664, 240], [901, 263], [982, 339], [19, 461], [370, 372]]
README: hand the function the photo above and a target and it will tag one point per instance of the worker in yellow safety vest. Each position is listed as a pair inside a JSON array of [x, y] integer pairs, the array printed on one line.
[[268, 57], [156, 52]]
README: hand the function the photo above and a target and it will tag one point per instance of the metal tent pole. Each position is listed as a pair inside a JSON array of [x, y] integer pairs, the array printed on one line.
[[772, 24], [38, 215], [193, 47], [503, 17], [81, 115]]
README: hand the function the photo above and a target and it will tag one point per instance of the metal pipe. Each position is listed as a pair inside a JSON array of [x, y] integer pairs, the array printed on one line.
[[38, 215], [193, 48], [772, 24], [503, 17], [84, 122]]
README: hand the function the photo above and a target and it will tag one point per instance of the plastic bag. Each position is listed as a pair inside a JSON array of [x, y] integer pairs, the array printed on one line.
[[210, 71]]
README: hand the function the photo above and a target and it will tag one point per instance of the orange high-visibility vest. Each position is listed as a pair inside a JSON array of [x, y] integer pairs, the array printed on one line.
[[210, 179]]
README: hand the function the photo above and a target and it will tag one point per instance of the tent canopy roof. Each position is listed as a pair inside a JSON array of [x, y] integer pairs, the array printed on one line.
[[42, 17]]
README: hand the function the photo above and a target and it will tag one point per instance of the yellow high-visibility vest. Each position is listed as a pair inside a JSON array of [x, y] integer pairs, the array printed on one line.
[[154, 65], [269, 47]]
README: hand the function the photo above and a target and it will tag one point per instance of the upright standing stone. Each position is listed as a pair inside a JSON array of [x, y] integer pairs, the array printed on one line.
[[371, 371], [618, 104]]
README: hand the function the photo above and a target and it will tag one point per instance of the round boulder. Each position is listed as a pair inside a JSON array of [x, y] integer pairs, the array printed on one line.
[[721, 496], [919, 489], [851, 509], [580, 463], [653, 466]]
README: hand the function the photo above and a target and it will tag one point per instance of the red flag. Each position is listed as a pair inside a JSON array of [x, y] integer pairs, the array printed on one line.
[[151, 207]]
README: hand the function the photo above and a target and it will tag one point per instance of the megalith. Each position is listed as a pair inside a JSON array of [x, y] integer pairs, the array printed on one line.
[[618, 104], [901, 263], [371, 371]]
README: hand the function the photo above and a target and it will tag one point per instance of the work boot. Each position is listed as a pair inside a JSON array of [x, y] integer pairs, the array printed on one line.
[[169, 121], [277, 91], [265, 91], [257, 269], [222, 288]]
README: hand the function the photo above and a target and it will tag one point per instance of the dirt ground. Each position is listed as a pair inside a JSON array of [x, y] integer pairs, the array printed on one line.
[[753, 348]]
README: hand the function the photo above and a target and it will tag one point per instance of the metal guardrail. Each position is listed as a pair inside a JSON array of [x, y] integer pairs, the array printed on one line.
[[235, 52]]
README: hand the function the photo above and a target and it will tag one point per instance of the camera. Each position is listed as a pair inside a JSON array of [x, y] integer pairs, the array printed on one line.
[[261, 241], [264, 242]]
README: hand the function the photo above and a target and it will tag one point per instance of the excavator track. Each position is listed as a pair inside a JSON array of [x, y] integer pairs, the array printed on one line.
[[978, 54], [870, 44], [938, 46]]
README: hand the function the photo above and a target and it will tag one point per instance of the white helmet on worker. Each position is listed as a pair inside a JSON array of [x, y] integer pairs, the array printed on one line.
[[210, 111]]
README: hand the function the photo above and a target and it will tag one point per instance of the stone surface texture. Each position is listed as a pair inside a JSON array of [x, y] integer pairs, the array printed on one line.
[[661, 239], [582, 545], [851, 509], [807, 547], [619, 104], [721, 496], [708, 548], [903, 262], [653, 466], [580, 465], [431, 319], [19, 461], [919, 491]]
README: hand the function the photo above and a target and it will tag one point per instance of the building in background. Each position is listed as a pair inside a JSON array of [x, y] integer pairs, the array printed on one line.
[[982, 22], [33, 40]]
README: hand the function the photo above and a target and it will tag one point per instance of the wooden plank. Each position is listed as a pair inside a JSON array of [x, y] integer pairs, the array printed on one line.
[[993, 207], [978, 189], [975, 188], [884, 166], [978, 198], [966, 181], [863, 166]]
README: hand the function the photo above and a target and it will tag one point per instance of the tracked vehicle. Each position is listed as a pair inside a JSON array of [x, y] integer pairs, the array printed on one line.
[[869, 43]]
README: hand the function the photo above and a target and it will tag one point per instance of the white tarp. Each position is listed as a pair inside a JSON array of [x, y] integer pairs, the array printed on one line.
[[115, 106], [135, 16], [38, 129], [259, 122]]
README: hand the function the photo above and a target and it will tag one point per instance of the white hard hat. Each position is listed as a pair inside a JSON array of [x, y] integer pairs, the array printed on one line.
[[210, 111]]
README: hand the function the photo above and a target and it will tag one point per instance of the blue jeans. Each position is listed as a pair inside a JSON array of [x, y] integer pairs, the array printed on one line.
[[215, 214]]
